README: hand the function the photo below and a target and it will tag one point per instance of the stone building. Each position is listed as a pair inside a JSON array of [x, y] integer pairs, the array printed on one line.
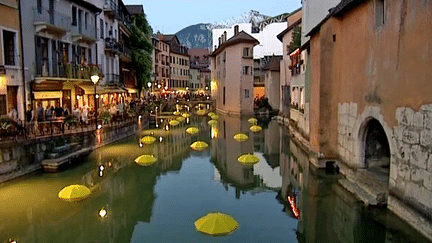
[[371, 105], [161, 62], [179, 60], [200, 59], [272, 81], [232, 65], [12, 88]]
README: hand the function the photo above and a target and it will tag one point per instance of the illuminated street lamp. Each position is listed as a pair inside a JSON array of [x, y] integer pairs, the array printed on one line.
[[95, 78]]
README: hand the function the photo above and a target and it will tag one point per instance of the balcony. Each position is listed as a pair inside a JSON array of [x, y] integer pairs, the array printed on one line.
[[59, 71], [112, 79], [51, 21], [111, 8], [111, 45], [126, 54], [84, 34]]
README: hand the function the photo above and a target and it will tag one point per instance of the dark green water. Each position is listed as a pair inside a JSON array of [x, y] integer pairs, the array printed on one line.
[[161, 203]]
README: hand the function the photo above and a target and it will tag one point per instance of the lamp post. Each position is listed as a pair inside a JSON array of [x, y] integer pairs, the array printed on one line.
[[95, 78], [149, 84]]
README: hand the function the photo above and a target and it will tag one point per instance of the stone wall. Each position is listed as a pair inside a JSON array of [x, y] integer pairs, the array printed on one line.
[[23, 157], [410, 142]]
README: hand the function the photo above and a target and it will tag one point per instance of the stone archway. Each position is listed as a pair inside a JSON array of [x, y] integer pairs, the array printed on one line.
[[376, 146]]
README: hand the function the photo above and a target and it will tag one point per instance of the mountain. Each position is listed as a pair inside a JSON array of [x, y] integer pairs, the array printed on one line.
[[195, 36]]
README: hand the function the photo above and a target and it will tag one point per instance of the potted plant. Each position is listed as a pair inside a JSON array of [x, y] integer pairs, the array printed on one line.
[[105, 116]]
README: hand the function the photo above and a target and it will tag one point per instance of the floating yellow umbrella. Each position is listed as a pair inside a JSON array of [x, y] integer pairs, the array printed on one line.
[[255, 128], [211, 114], [174, 123], [180, 119], [199, 145], [240, 137], [186, 115], [145, 160], [148, 140], [216, 224], [201, 112], [215, 117], [252, 120], [74, 193], [248, 159], [176, 113], [192, 130], [212, 122]]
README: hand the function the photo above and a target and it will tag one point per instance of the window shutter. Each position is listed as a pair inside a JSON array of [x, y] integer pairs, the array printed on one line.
[[38, 52], [54, 57]]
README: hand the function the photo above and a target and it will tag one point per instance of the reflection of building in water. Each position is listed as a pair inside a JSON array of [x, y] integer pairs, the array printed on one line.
[[228, 150]]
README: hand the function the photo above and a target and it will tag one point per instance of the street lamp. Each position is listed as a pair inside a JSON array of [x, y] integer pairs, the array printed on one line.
[[95, 78]]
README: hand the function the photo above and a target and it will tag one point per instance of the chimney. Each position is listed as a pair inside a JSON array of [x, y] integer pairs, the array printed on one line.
[[224, 36], [236, 30], [220, 40]]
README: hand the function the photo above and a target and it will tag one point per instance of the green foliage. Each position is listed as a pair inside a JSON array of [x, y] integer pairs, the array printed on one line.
[[141, 48], [5, 122], [105, 116], [70, 120], [296, 39]]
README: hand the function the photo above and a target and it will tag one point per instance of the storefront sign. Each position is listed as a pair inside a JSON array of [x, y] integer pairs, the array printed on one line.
[[48, 95]]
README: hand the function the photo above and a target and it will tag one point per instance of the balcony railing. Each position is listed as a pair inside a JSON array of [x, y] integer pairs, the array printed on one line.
[[61, 70], [82, 33], [111, 44], [52, 20], [125, 51], [112, 79]]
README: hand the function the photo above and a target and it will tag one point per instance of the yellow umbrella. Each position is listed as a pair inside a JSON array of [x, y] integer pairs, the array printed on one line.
[[192, 130], [212, 122], [200, 112], [248, 159], [148, 140], [252, 120], [74, 193], [211, 114], [240, 137], [176, 113], [215, 117], [199, 145], [174, 123], [145, 159], [180, 119], [216, 224], [185, 115], [255, 128]]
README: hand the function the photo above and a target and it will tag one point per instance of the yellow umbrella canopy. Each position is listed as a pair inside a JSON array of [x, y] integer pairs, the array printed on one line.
[[211, 114], [185, 115], [199, 145], [201, 112], [215, 117], [74, 193], [252, 120], [145, 160], [192, 130], [176, 113], [174, 123], [216, 224], [148, 140], [180, 119], [255, 128], [240, 137], [212, 122], [248, 159]]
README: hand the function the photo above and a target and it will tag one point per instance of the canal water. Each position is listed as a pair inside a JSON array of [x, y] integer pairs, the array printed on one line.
[[279, 199]]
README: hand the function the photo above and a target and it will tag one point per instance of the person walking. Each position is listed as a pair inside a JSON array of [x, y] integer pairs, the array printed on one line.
[[29, 118]]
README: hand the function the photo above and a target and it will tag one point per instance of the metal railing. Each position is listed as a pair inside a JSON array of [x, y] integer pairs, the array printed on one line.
[[88, 31], [54, 18], [112, 44], [61, 70], [112, 79]]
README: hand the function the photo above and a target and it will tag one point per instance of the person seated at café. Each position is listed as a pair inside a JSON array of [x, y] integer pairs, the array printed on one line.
[[66, 111], [49, 112], [58, 111]]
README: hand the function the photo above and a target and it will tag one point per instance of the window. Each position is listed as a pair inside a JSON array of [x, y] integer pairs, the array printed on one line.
[[246, 93], [246, 52], [89, 56], [74, 16], [39, 6], [9, 48], [223, 98], [106, 27], [379, 12], [101, 28], [245, 70], [85, 20]]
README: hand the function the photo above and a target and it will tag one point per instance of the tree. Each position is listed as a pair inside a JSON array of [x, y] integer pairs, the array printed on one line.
[[141, 48], [296, 39]]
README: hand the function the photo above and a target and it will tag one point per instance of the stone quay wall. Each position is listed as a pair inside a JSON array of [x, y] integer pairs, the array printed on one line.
[[409, 188], [22, 157]]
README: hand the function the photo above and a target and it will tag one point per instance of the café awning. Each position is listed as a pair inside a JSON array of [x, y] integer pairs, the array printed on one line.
[[131, 90], [89, 89]]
